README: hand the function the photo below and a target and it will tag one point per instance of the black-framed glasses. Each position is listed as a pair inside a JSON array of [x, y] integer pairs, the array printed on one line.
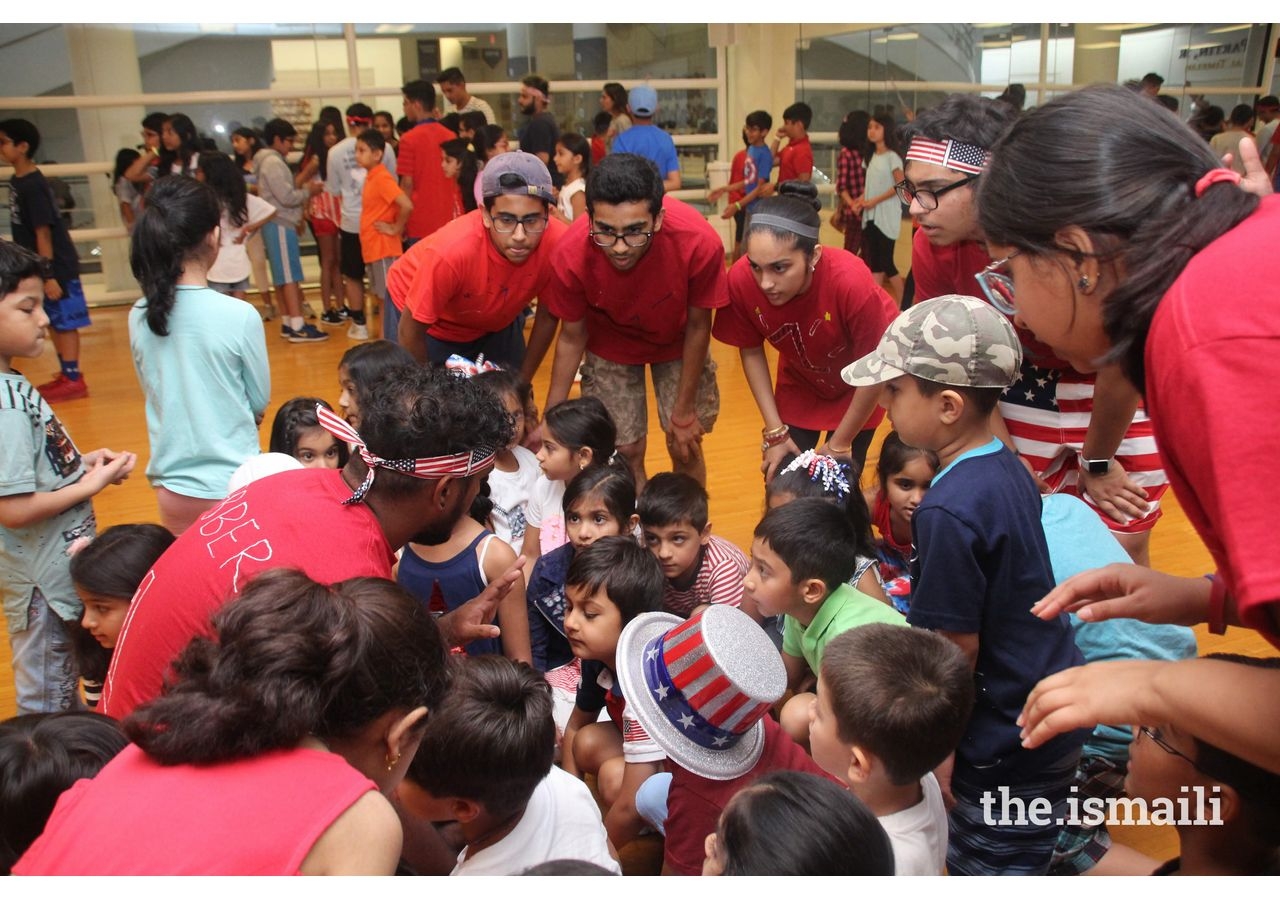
[[928, 200], [505, 223], [1158, 739], [997, 285], [608, 239]]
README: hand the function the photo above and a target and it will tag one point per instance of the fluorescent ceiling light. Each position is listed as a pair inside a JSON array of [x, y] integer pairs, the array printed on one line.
[[393, 29], [1225, 28], [1125, 26], [1105, 45]]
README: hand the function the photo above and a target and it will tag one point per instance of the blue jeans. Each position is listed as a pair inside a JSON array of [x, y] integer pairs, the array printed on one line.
[[44, 671]]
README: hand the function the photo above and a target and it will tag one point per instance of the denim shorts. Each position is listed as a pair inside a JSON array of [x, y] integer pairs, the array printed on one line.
[[71, 312]]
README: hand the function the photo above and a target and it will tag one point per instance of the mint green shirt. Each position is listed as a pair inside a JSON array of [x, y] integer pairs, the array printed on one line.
[[846, 607]]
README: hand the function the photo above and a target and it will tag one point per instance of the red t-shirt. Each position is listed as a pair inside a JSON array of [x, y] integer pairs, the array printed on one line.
[[795, 160], [694, 803], [1213, 341], [838, 320], [256, 816], [638, 317], [290, 520], [950, 270], [418, 157], [378, 204], [459, 285], [737, 172]]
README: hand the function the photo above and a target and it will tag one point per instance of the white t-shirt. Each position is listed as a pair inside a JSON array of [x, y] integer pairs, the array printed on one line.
[[346, 179], [919, 834], [577, 186], [232, 264], [510, 493], [546, 512], [562, 821]]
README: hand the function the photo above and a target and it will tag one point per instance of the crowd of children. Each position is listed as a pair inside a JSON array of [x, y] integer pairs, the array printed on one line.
[[843, 698]]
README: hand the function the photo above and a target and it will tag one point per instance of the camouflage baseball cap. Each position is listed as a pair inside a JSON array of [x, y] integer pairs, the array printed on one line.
[[956, 340]]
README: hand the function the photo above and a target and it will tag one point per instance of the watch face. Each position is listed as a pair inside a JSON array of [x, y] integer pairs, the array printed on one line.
[[1099, 466]]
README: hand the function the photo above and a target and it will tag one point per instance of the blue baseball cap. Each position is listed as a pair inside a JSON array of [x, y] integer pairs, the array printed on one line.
[[643, 100]]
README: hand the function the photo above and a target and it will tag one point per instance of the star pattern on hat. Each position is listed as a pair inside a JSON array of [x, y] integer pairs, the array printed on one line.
[[720, 741], [686, 720], [652, 654], [661, 691]]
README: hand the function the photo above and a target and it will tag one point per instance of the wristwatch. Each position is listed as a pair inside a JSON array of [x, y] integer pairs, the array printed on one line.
[[1095, 466]]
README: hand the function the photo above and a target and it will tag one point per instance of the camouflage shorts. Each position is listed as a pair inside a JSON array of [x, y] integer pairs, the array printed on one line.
[[622, 390]]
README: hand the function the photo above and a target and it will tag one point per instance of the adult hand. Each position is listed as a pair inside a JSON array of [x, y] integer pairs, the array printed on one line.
[[472, 621], [1118, 496], [685, 441], [1255, 179], [104, 467], [1125, 590], [846, 456], [774, 455], [1084, 696]]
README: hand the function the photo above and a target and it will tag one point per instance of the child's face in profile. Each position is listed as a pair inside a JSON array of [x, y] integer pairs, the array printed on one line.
[[316, 449], [676, 547], [103, 616], [592, 623], [23, 323], [825, 746], [452, 168], [768, 582], [913, 415], [347, 400], [515, 409], [559, 462], [590, 519]]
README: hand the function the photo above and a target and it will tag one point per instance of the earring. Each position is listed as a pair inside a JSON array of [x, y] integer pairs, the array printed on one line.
[[1083, 283], [391, 762]]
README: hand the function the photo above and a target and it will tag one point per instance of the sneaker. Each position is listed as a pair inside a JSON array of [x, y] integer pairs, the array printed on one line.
[[333, 317], [268, 312], [307, 334], [308, 311], [358, 332], [285, 331], [63, 388]]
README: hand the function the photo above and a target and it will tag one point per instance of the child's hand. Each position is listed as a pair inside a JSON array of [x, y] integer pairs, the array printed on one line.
[[107, 467], [715, 194], [387, 228], [315, 187], [52, 290]]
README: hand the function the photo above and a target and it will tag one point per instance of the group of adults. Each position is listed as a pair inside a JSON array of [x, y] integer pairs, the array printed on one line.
[[1112, 256]]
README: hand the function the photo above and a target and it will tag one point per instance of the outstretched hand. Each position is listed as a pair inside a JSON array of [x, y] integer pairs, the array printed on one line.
[[1125, 590], [472, 621], [1084, 696], [1255, 179]]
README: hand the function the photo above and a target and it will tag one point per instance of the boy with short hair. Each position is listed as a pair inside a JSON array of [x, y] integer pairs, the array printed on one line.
[[45, 491], [384, 212], [795, 161], [37, 224], [485, 763], [280, 234], [748, 174], [700, 568], [892, 704], [802, 557], [608, 584], [981, 563]]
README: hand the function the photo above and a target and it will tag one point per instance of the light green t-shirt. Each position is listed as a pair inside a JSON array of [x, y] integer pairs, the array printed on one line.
[[846, 607]]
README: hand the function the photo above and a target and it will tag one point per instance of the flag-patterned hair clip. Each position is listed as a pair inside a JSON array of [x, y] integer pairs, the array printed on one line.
[[822, 469], [457, 464], [465, 368], [955, 155]]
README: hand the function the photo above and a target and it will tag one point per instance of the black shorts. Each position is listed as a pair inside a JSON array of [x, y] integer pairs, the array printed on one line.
[[877, 251], [351, 262], [739, 224]]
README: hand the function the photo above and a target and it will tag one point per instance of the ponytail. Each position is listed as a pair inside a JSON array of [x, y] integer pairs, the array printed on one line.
[[294, 658], [179, 215], [791, 216]]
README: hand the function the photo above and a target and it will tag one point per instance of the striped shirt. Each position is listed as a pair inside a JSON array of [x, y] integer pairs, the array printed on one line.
[[719, 580]]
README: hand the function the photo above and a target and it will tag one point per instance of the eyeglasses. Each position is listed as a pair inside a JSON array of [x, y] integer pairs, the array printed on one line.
[[630, 238], [505, 223], [998, 286], [928, 200], [1159, 741]]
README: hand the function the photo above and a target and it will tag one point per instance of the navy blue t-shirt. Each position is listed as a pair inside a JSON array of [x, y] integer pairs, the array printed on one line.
[[32, 204], [980, 562]]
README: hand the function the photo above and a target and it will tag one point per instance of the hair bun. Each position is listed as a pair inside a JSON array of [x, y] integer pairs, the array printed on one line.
[[803, 191]]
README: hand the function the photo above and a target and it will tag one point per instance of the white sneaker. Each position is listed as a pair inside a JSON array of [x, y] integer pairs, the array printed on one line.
[[358, 332]]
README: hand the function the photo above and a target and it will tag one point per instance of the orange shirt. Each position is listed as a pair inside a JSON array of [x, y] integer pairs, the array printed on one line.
[[459, 285], [378, 204]]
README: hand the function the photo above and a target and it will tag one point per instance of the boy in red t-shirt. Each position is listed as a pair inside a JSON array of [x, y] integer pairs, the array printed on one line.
[[795, 161], [384, 211]]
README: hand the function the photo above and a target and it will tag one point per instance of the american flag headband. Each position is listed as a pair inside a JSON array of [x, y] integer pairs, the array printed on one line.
[[822, 469], [456, 464], [954, 155]]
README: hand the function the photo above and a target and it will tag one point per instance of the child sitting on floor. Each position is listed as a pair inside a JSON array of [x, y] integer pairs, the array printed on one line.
[[891, 706]]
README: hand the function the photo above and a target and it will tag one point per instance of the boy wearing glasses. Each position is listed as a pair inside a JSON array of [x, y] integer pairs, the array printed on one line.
[[462, 289], [981, 562], [1105, 452], [634, 284]]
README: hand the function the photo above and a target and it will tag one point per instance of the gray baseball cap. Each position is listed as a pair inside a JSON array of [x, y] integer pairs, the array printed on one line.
[[956, 340], [516, 173]]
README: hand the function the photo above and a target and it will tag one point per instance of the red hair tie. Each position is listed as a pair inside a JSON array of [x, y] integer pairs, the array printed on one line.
[[1213, 176]]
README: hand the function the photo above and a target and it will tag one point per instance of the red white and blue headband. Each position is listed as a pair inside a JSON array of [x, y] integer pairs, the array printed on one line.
[[955, 155], [459, 465], [824, 470]]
